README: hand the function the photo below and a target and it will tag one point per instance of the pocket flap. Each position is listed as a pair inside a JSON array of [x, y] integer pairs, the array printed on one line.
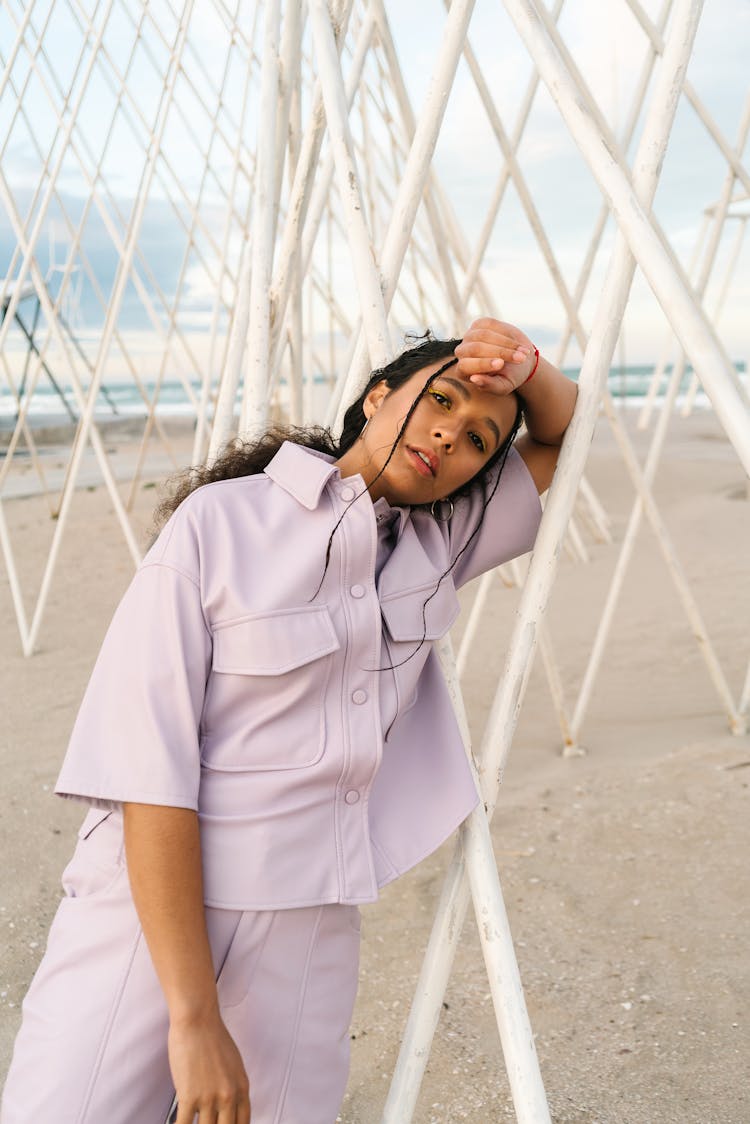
[[409, 616], [274, 642]]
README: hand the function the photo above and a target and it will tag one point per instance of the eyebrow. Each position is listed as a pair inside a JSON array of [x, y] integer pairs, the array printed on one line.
[[466, 394]]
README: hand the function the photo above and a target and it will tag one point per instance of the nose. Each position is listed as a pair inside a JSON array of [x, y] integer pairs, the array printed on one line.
[[445, 433]]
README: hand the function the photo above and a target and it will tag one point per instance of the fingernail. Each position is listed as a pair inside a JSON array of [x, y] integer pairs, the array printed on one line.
[[497, 363], [520, 353]]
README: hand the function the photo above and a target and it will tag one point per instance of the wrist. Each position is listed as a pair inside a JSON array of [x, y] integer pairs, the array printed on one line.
[[530, 376], [193, 1012]]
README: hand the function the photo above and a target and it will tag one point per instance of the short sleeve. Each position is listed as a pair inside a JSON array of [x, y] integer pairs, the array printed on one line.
[[509, 525], [136, 735]]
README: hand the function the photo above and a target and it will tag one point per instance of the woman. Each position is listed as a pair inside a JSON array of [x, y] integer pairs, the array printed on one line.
[[266, 739]]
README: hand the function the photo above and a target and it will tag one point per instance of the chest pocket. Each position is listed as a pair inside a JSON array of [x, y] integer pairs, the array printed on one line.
[[265, 696], [408, 617]]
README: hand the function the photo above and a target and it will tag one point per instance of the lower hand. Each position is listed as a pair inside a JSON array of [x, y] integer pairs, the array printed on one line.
[[208, 1073], [495, 356]]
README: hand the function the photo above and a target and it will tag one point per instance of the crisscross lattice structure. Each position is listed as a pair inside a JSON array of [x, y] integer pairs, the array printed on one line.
[[235, 209]]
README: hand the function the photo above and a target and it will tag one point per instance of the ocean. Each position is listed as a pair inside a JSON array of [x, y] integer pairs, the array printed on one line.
[[122, 398]]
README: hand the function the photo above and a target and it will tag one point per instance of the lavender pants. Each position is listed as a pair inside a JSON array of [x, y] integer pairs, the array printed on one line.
[[92, 1044]]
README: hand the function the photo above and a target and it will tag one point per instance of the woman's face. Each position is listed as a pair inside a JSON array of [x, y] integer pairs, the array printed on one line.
[[454, 430]]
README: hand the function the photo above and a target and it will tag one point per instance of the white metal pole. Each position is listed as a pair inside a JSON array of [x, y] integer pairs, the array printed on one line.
[[112, 313], [348, 182], [307, 176], [409, 123], [644, 501], [504, 177], [519, 1052], [646, 240], [413, 181], [695, 101], [644, 416], [208, 374], [473, 621], [67, 126], [745, 696], [306, 219], [425, 1010], [732, 262], [13, 581], [255, 403]]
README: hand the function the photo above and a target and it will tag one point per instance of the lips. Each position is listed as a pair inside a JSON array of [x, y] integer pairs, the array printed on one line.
[[424, 460]]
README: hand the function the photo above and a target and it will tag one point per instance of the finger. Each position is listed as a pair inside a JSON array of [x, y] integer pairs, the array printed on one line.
[[493, 384], [468, 367], [185, 1112], [238, 1112], [494, 339], [494, 330], [227, 1114], [481, 348]]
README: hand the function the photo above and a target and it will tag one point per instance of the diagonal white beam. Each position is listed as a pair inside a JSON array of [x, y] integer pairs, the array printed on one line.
[[68, 122], [307, 198], [348, 182], [84, 429], [695, 100], [433, 979], [254, 414], [412, 184], [647, 241]]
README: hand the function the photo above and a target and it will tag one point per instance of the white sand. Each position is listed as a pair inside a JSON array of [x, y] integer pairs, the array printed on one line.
[[625, 872]]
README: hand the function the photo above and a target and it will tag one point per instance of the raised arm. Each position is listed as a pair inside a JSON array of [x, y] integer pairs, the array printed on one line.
[[498, 357], [162, 847]]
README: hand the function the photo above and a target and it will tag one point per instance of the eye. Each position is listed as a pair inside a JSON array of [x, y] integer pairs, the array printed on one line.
[[478, 442], [441, 399]]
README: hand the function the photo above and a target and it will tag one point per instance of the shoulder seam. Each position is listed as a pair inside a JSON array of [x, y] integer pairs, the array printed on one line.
[[187, 577], [177, 570]]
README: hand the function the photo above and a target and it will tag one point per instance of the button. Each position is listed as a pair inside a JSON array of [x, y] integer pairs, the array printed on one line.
[[347, 494], [357, 591], [359, 697], [352, 796]]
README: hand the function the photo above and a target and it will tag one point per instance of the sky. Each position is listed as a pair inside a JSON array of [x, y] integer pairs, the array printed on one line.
[[607, 45]]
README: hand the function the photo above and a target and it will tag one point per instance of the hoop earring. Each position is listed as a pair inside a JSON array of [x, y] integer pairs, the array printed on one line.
[[364, 427], [442, 518]]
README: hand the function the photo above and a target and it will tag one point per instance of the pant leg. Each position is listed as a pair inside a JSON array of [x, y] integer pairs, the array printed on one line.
[[93, 1040], [287, 992]]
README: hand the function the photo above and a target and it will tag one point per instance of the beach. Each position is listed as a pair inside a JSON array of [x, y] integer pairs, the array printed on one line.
[[625, 870]]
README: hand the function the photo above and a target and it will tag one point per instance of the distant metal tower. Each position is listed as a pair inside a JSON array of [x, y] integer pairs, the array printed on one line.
[[275, 149]]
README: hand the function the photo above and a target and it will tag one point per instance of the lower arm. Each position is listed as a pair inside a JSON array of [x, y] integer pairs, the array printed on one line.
[[162, 847], [548, 402]]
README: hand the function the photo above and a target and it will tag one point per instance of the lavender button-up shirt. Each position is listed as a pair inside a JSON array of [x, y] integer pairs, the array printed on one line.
[[321, 760]]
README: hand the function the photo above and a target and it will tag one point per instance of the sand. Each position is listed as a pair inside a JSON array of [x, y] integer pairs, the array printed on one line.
[[625, 871]]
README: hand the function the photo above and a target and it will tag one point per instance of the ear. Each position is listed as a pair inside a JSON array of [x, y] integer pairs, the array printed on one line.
[[374, 398]]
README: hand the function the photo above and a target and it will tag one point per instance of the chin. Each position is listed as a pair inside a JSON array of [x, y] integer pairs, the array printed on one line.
[[407, 497]]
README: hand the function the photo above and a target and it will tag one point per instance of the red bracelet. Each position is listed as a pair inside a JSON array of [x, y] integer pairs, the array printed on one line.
[[533, 370]]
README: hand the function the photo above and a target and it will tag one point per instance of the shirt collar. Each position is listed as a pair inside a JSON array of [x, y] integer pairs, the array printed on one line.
[[304, 473]]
